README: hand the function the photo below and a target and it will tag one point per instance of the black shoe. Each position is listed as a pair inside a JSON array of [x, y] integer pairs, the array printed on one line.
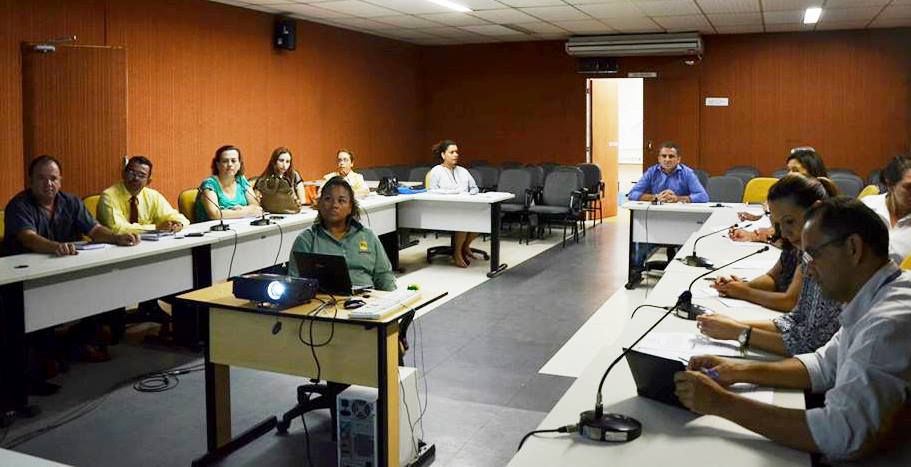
[[42, 388]]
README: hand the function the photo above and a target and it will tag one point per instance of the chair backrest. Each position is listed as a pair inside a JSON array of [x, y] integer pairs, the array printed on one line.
[[725, 189], [91, 204], [537, 176], [559, 186], [510, 164], [489, 177], [744, 177], [186, 202], [874, 177], [385, 172], [757, 190], [516, 181], [744, 168], [572, 169], [370, 174], [401, 171], [848, 185], [868, 190], [703, 177], [906, 264], [477, 176], [476, 163], [418, 174], [591, 176], [780, 173], [842, 171]]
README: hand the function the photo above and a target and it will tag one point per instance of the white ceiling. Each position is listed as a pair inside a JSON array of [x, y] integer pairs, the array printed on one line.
[[426, 23]]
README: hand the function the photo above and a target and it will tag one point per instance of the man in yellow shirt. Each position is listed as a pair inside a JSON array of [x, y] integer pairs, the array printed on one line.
[[131, 206]]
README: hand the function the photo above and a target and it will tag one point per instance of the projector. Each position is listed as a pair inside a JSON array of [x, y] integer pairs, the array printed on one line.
[[285, 291]]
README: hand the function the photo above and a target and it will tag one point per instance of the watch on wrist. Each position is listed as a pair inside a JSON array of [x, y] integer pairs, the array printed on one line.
[[744, 337]]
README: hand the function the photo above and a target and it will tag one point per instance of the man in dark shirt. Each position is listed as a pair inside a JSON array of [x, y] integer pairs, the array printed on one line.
[[43, 219]]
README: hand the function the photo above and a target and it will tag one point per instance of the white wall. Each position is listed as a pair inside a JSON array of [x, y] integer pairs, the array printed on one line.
[[630, 108]]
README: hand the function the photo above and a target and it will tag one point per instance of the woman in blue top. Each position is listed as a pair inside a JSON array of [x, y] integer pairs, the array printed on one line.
[[227, 193]]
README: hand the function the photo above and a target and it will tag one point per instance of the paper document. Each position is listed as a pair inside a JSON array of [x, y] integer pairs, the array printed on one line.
[[685, 345], [709, 292], [753, 264]]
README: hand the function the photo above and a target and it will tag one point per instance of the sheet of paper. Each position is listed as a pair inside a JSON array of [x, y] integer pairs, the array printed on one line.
[[736, 303], [753, 264], [751, 391], [685, 345]]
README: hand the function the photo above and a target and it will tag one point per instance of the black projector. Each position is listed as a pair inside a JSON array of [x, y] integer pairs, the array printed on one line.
[[281, 290]]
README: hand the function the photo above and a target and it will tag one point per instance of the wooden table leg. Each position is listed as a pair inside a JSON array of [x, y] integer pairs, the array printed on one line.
[[388, 394], [218, 405]]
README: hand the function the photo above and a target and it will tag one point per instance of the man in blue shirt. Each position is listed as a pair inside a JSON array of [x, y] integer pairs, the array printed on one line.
[[669, 181]]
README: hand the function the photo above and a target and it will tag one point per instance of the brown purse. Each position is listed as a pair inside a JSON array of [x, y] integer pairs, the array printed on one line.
[[277, 195]]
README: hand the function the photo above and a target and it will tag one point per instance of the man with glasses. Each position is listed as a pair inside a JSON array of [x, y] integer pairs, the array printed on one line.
[[864, 370], [131, 206]]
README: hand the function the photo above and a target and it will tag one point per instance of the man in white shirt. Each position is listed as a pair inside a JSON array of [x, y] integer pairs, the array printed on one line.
[[894, 207], [450, 178], [864, 370]]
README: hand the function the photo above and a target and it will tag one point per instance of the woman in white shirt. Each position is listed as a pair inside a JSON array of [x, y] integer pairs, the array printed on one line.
[[345, 160], [450, 178], [894, 206]]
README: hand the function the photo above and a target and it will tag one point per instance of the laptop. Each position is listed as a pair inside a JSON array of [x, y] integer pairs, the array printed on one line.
[[655, 376], [330, 270]]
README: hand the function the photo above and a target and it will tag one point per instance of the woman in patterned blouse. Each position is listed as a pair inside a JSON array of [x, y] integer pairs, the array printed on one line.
[[814, 319]]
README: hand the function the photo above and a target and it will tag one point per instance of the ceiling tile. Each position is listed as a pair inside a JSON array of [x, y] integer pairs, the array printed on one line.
[[668, 7], [455, 19], [589, 2], [631, 25], [588, 26], [481, 4], [691, 22], [891, 23], [556, 13], [506, 16], [784, 27], [256, 2], [406, 33], [551, 37], [411, 7], [782, 17], [854, 3], [739, 29], [842, 25], [449, 32], [312, 11], [729, 6], [234, 2], [361, 23], [736, 19], [896, 11], [357, 8], [611, 10], [406, 21], [541, 28], [493, 30], [527, 3], [780, 5], [849, 14]]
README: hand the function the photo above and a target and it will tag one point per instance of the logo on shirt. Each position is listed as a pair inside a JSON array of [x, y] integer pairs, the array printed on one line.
[[363, 246]]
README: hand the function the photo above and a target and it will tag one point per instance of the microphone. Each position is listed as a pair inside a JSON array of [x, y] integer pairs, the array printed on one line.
[[685, 300], [698, 261], [221, 226], [262, 220]]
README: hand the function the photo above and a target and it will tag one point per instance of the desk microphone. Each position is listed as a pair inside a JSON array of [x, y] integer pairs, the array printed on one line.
[[262, 220], [700, 262], [221, 226], [685, 300]]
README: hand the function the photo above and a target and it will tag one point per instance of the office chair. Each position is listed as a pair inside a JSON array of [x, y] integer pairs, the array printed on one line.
[[448, 250]]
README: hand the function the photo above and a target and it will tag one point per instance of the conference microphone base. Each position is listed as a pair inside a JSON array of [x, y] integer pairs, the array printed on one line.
[[220, 228], [262, 221], [697, 262], [609, 427], [691, 311]]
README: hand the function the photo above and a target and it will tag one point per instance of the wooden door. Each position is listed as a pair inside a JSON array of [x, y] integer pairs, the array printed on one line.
[[605, 138], [671, 113], [75, 108]]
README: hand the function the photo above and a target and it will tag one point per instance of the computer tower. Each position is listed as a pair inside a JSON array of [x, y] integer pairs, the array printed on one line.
[[357, 428]]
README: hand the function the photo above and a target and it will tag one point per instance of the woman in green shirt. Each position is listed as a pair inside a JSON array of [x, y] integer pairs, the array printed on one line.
[[337, 231], [227, 194]]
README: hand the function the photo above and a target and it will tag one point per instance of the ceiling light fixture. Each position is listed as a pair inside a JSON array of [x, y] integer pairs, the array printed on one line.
[[811, 16], [452, 5]]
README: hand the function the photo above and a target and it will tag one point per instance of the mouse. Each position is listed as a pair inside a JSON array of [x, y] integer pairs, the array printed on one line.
[[352, 303]]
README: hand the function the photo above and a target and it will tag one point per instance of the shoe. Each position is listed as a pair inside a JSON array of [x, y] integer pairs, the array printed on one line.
[[41, 388]]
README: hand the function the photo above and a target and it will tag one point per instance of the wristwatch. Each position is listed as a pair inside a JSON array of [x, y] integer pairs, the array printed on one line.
[[744, 337]]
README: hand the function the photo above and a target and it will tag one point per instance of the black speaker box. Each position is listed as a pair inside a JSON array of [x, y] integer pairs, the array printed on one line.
[[285, 34]]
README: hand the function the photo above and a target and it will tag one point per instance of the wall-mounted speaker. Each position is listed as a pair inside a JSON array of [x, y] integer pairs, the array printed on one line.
[[285, 34]]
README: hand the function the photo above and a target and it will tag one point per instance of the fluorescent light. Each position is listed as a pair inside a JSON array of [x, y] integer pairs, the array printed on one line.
[[811, 16], [452, 5]]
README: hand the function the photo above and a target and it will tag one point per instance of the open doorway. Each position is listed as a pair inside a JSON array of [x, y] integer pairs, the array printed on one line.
[[615, 129]]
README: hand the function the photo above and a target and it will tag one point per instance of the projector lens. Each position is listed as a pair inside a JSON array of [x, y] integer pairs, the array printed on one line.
[[275, 290]]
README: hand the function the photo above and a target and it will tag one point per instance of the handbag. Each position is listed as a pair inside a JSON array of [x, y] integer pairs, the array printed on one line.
[[388, 186], [277, 195]]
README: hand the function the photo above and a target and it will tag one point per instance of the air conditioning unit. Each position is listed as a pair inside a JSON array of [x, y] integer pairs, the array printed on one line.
[[635, 44]]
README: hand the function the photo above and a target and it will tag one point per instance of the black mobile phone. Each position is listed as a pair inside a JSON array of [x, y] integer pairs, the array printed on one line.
[[194, 234], [276, 217]]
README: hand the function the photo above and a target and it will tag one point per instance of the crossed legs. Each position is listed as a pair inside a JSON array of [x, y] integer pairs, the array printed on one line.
[[461, 252]]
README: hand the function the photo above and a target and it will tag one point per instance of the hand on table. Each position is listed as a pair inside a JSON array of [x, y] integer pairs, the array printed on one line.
[[720, 326], [172, 226], [65, 249]]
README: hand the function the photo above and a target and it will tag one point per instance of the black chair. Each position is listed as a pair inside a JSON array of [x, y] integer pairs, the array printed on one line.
[[780, 173], [561, 202], [703, 177], [370, 174], [477, 163], [580, 179], [418, 174], [385, 172], [744, 172], [848, 185], [518, 182], [537, 180], [594, 190], [489, 177], [842, 171], [401, 171], [725, 189]]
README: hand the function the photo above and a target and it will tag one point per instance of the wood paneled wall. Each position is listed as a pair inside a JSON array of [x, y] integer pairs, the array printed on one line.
[[203, 74], [844, 92]]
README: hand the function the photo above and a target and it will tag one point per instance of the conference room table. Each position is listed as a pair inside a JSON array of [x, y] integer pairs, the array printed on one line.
[[670, 435], [41, 291]]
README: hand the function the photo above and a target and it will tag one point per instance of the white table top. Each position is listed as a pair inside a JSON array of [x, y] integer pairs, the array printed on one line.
[[689, 207], [17, 459]]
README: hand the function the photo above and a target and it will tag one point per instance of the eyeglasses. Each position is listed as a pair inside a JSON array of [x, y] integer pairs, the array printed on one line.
[[134, 174], [811, 254]]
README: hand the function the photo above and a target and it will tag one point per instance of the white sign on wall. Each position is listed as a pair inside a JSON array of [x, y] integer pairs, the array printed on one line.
[[716, 101]]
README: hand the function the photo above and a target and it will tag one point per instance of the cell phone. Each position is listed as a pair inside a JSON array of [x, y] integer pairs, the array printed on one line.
[[276, 217], [89, 246], [194, 234]]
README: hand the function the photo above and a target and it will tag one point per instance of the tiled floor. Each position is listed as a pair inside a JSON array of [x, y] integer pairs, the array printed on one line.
[[481, 355]]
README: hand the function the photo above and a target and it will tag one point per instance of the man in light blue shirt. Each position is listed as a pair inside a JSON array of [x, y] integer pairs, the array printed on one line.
[[864, 370], [669, 181]]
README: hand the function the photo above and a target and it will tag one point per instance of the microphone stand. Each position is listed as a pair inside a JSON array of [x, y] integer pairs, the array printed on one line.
[[697, 261], [685, 300], [221, 226], [262, 220]]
